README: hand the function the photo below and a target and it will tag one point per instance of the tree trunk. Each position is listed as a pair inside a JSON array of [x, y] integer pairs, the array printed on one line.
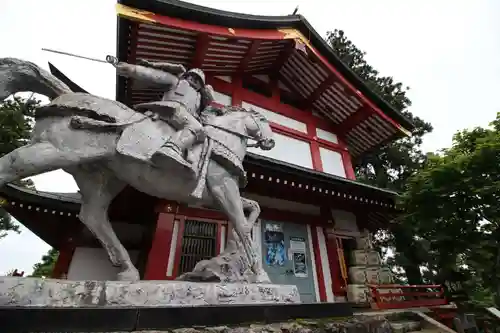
[[496, 269], [403, 240]]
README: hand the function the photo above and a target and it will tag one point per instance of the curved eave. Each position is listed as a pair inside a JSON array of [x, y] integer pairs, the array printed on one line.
[[66, 201], [205, 15], [51, 216], [44, 212]]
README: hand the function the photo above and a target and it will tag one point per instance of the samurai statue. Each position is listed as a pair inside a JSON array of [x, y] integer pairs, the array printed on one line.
[[185, 96]]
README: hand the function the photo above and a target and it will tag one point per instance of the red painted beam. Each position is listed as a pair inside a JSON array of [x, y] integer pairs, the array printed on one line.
[[290, 86], [281, 60], [316, 93], [202, 43], [264, 34], [353, 91], [252, 50], [355, 119]]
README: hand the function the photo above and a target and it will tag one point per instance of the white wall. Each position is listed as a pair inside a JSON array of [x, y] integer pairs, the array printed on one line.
[[222, 98], [327, 136], [289, 150], [332, 162], [93, 264], [277, 118]]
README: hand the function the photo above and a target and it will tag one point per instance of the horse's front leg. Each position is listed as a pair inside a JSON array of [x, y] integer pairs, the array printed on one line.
[[225, 191], [252, 211], [253, 208]]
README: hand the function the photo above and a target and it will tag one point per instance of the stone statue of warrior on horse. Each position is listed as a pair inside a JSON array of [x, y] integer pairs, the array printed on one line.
[[179, 148]]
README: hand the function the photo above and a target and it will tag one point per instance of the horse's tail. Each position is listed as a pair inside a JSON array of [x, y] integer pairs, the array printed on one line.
[[18, 75]]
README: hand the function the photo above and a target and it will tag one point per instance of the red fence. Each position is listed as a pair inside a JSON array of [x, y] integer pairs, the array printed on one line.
[[403, 296]]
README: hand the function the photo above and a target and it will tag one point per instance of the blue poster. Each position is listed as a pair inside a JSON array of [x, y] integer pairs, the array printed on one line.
[[275, 245]]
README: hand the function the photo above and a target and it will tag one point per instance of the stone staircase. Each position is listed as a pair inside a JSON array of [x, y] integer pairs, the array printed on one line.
[[413, 322], [366, 268]]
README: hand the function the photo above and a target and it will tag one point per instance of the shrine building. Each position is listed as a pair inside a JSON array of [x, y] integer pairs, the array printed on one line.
[[316, 221]]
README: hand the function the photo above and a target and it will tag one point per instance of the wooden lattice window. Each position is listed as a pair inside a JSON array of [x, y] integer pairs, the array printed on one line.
[[198, 243]]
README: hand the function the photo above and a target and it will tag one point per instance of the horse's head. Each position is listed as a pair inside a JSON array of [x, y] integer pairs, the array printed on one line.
[[248, 124], [258, 128]]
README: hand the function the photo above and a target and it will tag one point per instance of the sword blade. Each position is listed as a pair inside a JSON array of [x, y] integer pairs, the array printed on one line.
[[74, 55]]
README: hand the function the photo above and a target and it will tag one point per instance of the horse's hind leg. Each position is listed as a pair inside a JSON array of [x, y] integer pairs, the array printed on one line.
[[33, 159], [98, 188]]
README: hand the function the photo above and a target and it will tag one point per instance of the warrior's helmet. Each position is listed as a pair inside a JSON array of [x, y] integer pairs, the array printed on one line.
[[198, 73]]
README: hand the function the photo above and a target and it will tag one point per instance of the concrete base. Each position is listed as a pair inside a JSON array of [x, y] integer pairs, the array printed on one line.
[[18, 291]]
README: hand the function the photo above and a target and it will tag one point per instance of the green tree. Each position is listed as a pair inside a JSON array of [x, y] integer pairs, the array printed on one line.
[[453, 204], [16, 117], [391, 165], [46, 266]]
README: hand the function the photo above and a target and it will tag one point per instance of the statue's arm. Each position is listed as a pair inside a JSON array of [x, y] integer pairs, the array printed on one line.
[[150, 76], [175, 69]]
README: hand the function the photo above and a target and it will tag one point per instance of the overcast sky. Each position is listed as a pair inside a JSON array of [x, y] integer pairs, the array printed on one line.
[[447, 51]]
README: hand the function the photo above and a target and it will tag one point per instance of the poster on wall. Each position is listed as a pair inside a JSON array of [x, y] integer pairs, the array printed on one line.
[[275, 244], [297, 244], [299, 264], [297, 252]]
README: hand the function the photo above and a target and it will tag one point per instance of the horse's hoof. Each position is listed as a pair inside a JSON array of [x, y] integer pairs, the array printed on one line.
[[130, 274]]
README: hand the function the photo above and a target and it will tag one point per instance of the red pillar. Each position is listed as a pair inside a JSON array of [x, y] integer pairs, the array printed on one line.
[[156, 266], [319, 267], [314, 145], [237, 86], [61, 266], [349, 170], [338, 282]]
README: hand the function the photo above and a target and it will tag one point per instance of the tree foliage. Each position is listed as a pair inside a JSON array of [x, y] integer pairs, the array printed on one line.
[[16, 117], [450, 232], [46, 266], [391, 165], [452, 204]]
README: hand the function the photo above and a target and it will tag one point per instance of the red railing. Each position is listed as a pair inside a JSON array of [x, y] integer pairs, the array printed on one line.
[[404, 296]]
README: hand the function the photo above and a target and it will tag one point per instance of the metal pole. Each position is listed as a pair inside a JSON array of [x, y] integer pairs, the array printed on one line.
[[74, 55]]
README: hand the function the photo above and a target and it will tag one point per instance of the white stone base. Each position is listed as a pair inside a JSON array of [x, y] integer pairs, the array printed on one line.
[[18, 291]]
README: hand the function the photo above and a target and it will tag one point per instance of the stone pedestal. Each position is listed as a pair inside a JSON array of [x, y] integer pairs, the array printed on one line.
[[18, 291]]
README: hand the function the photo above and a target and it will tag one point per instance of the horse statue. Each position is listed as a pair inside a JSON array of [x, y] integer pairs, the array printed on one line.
[[106, 146]]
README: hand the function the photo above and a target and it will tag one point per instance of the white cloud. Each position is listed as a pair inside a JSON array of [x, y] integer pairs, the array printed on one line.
[[446, 51]]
